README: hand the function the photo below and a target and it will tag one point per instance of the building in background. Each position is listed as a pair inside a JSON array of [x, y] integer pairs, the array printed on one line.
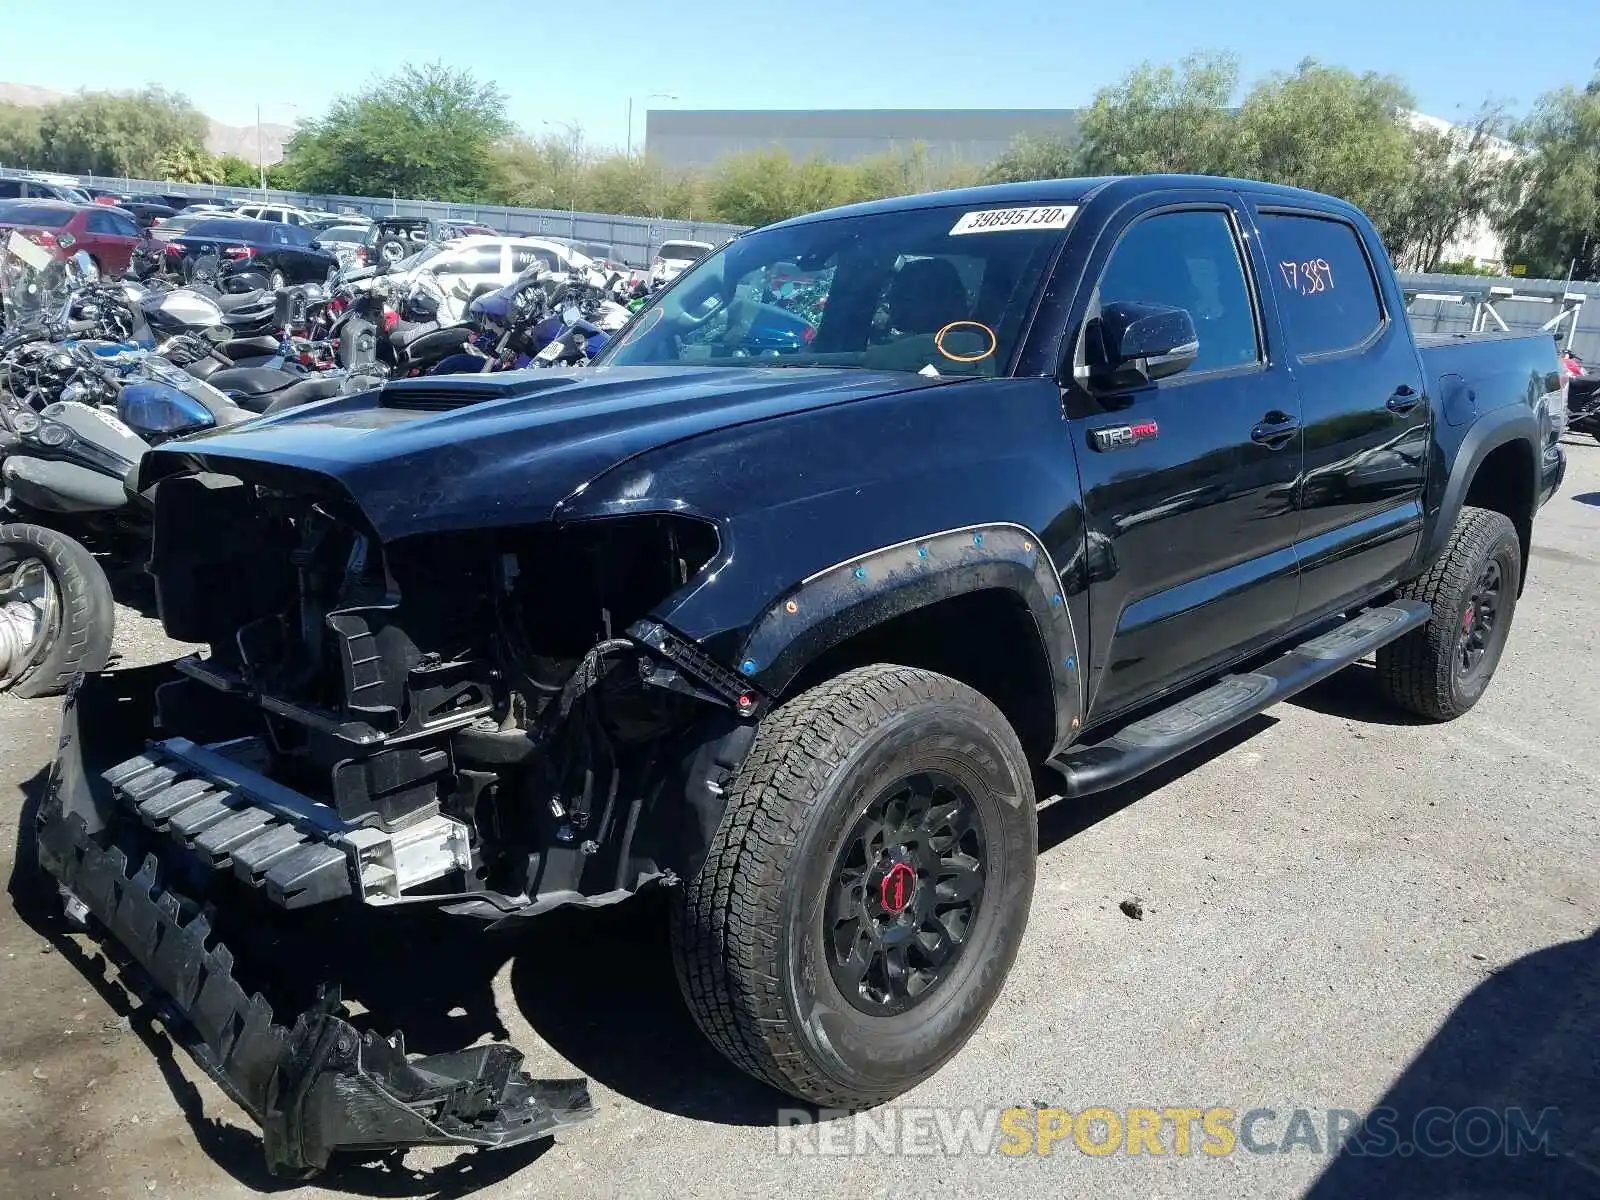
[[697, 138]]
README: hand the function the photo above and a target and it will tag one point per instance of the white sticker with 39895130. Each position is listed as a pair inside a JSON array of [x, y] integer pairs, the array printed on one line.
[[1001, 220]]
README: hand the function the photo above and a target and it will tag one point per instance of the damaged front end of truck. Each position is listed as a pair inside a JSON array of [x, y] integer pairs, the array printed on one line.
[[482, 721]]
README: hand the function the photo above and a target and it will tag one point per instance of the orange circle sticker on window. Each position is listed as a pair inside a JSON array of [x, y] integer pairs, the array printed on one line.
[[983, 331], [650, 321]]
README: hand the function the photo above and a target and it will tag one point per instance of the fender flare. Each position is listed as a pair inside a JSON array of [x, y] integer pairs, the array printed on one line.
[[1496, 428], [852, 596]]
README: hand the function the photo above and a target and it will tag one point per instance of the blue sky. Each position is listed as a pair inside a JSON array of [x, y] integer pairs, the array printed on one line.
[[801, 54]]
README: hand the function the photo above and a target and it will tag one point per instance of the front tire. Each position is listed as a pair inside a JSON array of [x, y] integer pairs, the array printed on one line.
[[57, 611], [276, 281], [1442, 669], [866, 890]]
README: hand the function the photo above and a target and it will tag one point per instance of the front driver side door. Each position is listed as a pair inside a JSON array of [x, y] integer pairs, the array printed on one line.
[[1188, 481]]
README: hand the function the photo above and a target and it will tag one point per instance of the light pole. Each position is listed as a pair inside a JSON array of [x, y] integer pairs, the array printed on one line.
[[651, 96], [261, 147]]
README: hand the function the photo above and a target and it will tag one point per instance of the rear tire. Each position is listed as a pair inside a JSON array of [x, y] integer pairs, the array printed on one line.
[[866, 890], [79, 634], [1442, 669]]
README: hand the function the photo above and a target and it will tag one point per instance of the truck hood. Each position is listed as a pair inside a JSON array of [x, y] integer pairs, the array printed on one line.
[[471, 452]]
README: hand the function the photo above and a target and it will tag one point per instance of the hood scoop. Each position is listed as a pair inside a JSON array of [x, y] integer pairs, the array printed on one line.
[[435, 394]]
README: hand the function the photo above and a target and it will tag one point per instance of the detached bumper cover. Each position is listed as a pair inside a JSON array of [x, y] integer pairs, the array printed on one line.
[[315, 1086]]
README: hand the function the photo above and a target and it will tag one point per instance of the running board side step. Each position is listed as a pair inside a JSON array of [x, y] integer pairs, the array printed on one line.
[[1169, 732]]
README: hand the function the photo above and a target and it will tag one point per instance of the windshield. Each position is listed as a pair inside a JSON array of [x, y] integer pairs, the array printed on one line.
[[943, 291], [416, 260], [682, 251]]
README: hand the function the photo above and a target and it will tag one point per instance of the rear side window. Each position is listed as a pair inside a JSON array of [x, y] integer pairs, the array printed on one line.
[[1189, 260], [1326, 290]]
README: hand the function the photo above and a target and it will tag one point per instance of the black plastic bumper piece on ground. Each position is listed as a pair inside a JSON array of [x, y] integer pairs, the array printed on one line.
[[317, 1086], [1169, 732]]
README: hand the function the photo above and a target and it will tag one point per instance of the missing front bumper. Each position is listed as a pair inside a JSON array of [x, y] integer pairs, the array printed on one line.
[[316, 1086]]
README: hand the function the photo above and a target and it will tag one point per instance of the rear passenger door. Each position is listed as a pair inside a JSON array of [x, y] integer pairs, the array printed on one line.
[[1366, 417], [114, 237], [1188, 481]]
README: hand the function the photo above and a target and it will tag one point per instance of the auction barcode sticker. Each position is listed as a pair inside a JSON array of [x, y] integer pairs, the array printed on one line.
[[999, 220]]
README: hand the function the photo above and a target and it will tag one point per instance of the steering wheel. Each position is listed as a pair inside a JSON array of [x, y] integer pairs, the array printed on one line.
[[693, 321]]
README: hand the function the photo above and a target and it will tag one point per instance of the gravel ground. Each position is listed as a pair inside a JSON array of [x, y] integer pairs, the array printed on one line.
[[1339, 910]]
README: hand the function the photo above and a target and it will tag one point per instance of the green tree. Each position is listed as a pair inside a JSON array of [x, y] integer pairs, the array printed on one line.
[[1451, 185], [238, 172], [768, 185], [1164, 118], [425, 132], [187, 163], [1331, 130], [1030, 158], [19, 136], [117, 133], [904, 173], [1550, 214]]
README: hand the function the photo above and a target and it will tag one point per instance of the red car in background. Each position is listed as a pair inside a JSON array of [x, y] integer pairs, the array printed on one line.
[[107, 235]]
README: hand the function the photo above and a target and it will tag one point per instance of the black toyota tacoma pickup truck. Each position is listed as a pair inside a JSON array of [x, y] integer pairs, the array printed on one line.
[[783, 605]]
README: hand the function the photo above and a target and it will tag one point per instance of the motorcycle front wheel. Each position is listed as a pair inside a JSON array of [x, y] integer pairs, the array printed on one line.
[[57, 616]]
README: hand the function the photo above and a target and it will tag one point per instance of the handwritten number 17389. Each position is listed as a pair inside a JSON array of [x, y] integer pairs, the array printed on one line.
[[1309, 277]]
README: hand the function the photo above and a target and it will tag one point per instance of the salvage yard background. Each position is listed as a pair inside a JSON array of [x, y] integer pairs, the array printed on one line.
[[1341, 910]]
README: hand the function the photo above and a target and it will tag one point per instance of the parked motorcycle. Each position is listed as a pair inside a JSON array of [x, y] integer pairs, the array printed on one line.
[[1583, 395], [76, 416]]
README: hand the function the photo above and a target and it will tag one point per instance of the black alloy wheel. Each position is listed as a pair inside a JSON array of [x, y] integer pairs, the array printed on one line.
[[1478, 622], [908, 884]]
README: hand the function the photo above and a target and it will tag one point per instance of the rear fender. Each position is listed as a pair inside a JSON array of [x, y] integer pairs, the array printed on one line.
[[1490, 431]]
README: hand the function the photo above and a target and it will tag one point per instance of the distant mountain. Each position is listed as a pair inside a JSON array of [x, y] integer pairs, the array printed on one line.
[[220, 138]]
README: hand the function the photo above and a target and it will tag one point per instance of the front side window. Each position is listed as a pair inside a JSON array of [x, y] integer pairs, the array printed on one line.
[[940, 291], [1324, 282], [1189, 260]]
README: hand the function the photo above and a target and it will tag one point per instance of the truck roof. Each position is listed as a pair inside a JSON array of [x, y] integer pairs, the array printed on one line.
[[1057, 191]]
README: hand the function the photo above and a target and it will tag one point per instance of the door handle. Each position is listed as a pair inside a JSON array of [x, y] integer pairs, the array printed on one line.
[[1276, 430], [1403, 400]]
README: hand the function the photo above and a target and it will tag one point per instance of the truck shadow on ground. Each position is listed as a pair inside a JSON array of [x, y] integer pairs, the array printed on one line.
[[1527, 1041], [1063, 817], [1352, 695]]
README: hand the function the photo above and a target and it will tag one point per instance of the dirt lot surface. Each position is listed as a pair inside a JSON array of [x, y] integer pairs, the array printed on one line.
[[1340, 910]]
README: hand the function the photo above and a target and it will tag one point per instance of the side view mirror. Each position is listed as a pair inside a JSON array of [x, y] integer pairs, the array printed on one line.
[[1131, 344]]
